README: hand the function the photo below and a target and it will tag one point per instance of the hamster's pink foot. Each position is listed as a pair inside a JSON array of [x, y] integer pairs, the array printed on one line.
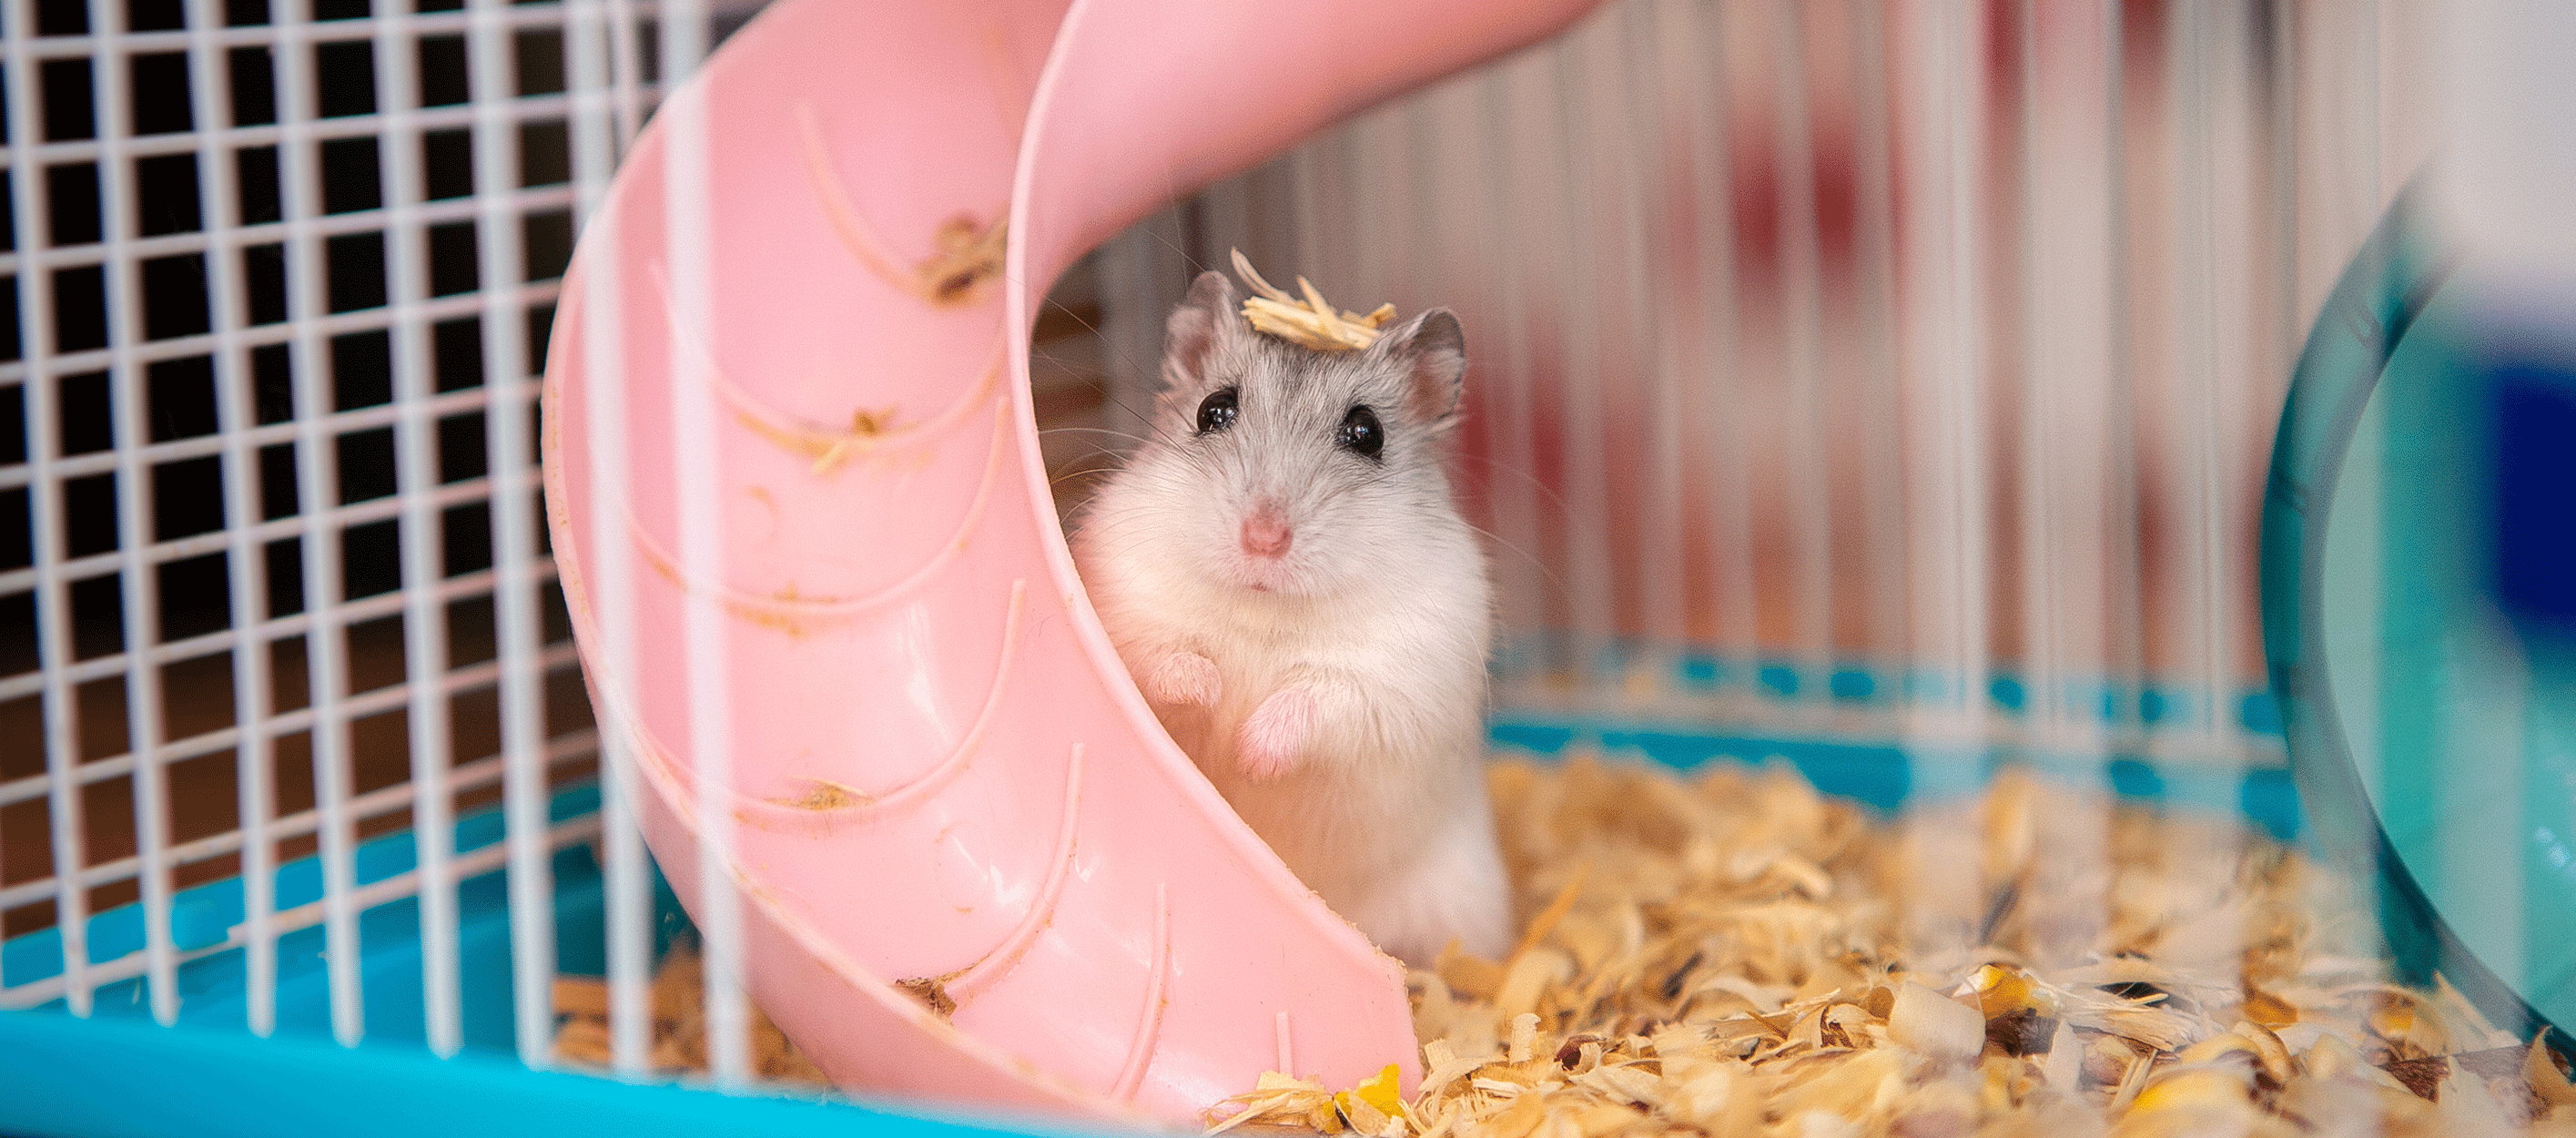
[[1274, 736], [1185, 678]]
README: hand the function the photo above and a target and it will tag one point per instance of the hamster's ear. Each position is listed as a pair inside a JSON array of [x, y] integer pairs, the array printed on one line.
[[1205, 320], [1432, 350]]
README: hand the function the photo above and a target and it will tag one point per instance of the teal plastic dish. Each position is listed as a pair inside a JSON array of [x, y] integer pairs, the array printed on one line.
[[2419, 602]]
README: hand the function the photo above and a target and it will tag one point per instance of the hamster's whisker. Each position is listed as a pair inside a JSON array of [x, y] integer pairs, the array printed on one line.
[[1062, 476], [1195, 267], [1563, 510], [1076, 317], [1115, 434], [1152, 422], [1525, 555], [1125, 362]]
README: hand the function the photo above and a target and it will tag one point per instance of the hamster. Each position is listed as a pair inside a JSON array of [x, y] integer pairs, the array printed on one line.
[[1286, 577]]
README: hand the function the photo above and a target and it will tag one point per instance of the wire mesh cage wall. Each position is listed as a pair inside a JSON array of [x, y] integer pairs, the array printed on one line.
[[1885, 385], [281, 280], [1780, 462]]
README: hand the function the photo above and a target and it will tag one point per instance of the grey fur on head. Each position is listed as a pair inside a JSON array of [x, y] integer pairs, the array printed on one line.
[[1429, 348]]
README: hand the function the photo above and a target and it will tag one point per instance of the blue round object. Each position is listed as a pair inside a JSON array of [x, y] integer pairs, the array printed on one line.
[[2419, 607]]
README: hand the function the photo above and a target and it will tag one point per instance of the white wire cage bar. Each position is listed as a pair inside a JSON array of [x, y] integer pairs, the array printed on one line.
[[1882, 373], [280, 278]]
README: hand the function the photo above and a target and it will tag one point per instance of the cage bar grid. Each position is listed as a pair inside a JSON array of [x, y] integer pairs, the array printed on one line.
[[256, 526], [474, 775]]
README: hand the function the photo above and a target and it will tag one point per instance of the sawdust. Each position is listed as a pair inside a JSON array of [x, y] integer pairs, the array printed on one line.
[[678, 1040], [1733, 955], [1736, 955]]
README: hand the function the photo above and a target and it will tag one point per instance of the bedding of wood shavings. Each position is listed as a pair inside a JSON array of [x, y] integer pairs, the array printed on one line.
[[679, 1037], [1732, 954], [1736, 955], [1306, 319]]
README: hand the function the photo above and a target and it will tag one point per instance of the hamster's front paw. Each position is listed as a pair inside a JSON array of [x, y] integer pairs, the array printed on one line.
[[1274, 736], [1185, 678]]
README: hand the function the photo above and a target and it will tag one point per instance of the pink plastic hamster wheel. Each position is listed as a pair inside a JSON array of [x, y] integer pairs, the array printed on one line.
[[798, 504]]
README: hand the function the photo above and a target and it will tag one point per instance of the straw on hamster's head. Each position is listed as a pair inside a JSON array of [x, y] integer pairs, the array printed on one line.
[[1281, 469]]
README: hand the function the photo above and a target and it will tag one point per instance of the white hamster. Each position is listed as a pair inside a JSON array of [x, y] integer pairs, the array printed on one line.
[[1285, 575]]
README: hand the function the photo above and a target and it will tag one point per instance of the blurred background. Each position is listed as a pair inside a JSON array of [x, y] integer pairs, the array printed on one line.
[[1863, 368]]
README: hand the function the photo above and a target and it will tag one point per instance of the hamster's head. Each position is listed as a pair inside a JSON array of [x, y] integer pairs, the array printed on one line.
[[1280, 469]]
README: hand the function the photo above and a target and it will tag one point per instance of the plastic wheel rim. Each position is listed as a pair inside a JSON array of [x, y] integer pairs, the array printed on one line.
[[2402, 681]]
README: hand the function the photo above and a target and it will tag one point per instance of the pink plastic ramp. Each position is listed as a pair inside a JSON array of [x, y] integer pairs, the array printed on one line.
[[817, 579]]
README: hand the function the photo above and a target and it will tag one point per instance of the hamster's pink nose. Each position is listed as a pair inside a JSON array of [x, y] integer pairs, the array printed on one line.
[[1265, 535]]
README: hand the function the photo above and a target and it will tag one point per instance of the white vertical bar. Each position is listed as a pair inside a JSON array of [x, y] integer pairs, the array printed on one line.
[[2195, 319], [2204, 75], [1801, 255], [1946, 722], [2374, 107], [626, 72], [1375, 162], [694, 417], [246, 568], [1140, 273], [1534, 144], [1721, 286], [423, 537], [2282, 88], [2127, 667], [2062, 256], [1512, 425], [2039, 596], [1225, 211], [1591, 577], [1443, 266], [1345, 187], [514, 599], [1308, 182], [2244, 381], [139, 591], [597, 140], [1883, 493], [44, 447], [317, 490], [1663, 602], [1947, 322], [1351, 191], [1662, 50], [1965, 368], [1607, 79]]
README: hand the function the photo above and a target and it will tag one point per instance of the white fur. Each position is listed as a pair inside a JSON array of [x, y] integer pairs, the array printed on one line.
[[1335, 695]]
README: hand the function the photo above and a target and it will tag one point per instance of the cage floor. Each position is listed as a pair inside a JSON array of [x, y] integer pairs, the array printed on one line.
[[1732, 953], [1877, 775]]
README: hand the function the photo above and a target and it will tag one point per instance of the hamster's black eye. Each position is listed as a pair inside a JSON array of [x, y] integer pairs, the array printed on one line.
[[1360, 433], [1216, 412]]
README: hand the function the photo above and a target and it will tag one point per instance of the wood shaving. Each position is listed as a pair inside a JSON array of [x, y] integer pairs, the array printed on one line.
[[1733, 954], [1306, 320], [678, 1040], [932, 991], [966, 254]]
